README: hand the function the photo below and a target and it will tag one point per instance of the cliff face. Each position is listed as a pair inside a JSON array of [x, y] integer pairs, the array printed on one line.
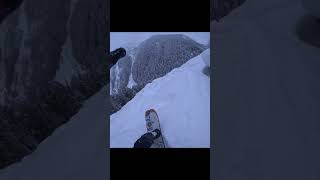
[[52, 58]]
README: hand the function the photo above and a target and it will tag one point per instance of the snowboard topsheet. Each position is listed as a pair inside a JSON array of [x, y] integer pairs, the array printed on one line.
[[152, 123]]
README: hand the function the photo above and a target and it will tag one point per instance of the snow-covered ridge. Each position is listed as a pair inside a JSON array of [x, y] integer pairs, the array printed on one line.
[[182, 100]]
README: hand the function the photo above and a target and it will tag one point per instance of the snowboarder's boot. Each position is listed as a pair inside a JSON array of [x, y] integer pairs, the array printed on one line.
[[156, 133], [145, 141]]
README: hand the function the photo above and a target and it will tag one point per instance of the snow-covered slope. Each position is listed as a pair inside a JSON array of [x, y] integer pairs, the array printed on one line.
[[176, 43], [75, 150], [268, 93], [182, 100], [206, 57]]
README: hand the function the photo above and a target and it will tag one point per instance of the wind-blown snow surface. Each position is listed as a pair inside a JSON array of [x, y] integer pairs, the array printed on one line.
[[182, 100], [75, 150]]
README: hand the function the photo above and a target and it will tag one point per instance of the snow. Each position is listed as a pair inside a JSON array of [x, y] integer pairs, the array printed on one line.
[[206, 57], [131, 81], [133, 39], [267, 89], [182, 100], [69, 67], [117, 71], [75, 150]]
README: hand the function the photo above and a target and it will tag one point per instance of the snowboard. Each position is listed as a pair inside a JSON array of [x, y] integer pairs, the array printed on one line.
[[152, 123]]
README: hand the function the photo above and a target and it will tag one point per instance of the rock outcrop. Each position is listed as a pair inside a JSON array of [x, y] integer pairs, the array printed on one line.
[[159, 54]]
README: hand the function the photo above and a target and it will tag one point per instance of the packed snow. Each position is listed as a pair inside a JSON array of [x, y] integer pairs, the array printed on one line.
[[182, 101]]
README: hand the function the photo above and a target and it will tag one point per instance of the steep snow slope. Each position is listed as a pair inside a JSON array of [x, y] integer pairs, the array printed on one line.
[[182, 100], [75, 150]]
